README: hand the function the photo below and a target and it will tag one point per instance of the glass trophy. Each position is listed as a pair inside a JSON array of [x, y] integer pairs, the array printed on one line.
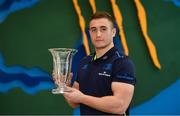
[[62, 61]]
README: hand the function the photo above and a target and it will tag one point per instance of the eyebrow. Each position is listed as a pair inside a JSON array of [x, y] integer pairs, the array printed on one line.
[[100, 27]]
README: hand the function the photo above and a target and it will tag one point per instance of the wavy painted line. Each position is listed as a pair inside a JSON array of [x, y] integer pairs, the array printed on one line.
[[10, 6], [82, 26], [2, 1], [176, 2], [30, 82], [19, 77], [167, 102], [4, 88], [16, 69]]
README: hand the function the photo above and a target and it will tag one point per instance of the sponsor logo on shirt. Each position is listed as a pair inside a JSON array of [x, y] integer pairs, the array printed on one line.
[[104, 74]]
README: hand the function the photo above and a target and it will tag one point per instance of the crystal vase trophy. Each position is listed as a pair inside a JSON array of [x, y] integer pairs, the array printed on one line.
[[62, 61]]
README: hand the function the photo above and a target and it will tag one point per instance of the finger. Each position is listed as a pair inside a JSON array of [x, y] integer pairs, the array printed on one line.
[[66, 93], [70, 89], [54, 77], [71, 75], [69, 79]]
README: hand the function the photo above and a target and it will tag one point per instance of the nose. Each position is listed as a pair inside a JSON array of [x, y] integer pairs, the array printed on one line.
[[98, 34]]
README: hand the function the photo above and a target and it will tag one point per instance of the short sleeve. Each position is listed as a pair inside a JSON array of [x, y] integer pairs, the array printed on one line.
[[124, 71]]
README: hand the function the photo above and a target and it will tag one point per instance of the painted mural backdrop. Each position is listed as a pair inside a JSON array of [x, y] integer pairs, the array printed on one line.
[[149, 34]]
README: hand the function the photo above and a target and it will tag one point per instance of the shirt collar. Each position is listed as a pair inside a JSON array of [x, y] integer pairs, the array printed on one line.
[[106, 56]]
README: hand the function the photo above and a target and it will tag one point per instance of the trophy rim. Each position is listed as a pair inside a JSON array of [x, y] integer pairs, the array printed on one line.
[[63, 49]]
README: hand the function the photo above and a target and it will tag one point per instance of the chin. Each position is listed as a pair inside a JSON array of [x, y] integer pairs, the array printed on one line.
[[100, 46]]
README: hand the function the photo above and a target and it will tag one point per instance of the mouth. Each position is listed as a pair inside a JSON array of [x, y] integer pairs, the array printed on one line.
[[98, 40]]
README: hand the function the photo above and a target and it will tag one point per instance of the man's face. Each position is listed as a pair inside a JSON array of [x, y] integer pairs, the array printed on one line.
[[101, 32]]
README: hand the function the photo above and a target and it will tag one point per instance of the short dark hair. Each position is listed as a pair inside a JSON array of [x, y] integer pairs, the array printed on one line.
[[102, 14]]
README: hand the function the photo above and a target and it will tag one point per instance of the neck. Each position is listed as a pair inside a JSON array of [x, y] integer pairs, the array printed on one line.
[[101, 51]]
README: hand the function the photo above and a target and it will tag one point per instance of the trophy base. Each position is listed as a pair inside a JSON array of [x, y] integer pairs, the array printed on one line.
[[60, 90]]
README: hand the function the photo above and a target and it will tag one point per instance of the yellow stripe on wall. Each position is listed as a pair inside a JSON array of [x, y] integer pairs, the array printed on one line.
[[93, 5], [82, 26], [119, 20], [143, 24]]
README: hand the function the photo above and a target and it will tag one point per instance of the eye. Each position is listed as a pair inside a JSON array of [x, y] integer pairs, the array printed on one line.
[[93, 29], [103, 29]]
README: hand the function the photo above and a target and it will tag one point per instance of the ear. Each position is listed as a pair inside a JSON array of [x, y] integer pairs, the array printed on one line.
[[114, 32]]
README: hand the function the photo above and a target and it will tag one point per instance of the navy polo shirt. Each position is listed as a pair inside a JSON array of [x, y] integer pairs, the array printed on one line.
[[96, 76]]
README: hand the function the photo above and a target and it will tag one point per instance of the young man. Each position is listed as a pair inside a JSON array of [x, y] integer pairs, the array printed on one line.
[[105, 80]]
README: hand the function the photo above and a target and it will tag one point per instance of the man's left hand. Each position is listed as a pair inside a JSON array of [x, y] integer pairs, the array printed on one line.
[[74, 95]]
